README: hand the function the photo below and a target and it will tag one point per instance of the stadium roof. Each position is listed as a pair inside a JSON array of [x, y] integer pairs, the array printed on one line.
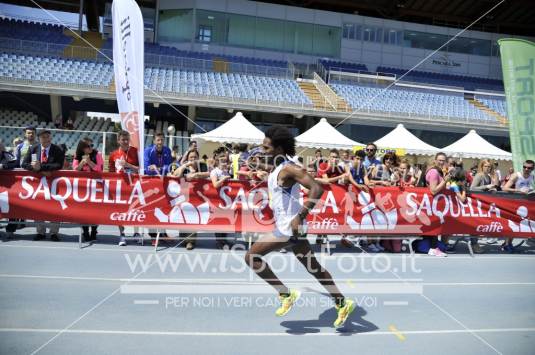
[[512, 17]]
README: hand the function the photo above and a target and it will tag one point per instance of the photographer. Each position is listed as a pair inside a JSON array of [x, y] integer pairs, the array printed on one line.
[[402, 176], [381, 174], [192, 168], [192, 147], [87, 159]]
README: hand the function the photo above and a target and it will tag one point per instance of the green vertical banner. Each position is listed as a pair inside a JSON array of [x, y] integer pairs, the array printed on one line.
[[518, 65]]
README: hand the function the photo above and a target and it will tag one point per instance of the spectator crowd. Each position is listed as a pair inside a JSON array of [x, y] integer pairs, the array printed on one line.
[[362, 170]]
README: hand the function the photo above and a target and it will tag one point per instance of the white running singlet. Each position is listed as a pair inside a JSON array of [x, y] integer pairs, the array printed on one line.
[[522, 183], [285, 202]]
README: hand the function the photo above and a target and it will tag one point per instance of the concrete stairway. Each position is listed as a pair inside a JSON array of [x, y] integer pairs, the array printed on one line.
[[481, 106], [317, 92], [83, 48]]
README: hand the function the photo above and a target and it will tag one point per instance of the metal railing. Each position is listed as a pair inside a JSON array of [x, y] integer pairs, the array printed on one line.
[[236, 102], [359, 76], [291, 69], [104, 142], [326, 91], [160, 95]]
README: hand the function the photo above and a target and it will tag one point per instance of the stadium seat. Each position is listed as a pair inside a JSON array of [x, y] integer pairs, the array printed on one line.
[[411, 102], [467, 82]]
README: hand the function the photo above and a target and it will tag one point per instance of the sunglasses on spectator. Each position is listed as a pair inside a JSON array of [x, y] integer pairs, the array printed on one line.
[[389, 159], [370, 150], [528, 167]]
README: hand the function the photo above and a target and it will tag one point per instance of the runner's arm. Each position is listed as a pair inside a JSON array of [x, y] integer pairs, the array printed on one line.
[[315, 190]]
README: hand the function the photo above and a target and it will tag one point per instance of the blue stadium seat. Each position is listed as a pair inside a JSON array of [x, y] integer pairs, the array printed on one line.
[[412, 102], [468, 82], [240, 86]]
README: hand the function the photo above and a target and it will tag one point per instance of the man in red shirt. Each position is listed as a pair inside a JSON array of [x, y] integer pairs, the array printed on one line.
[[124, 159], [329, 172]]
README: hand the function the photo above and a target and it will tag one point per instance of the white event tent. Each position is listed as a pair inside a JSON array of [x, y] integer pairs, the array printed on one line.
[[324, 136], [236, 130], [402, 138], [472, 145]]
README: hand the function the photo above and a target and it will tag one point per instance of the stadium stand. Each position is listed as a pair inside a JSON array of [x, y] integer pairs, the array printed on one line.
[[25, 30], [343, 66], [468, 82], [52, 39], [242, 86], [81, 72], [410, 102], [156, 54], [17, 120], [498, 105], [174, 71], [86, 125], [55, 69]]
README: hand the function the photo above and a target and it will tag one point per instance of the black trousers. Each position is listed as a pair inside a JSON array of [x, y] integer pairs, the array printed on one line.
[[12, 227], [85, 229]]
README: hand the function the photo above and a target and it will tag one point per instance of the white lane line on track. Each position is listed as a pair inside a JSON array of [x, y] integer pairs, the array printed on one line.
[[245, 281], [147, 302], [395, 303], [190, 280], [262, 334], [141, 249]]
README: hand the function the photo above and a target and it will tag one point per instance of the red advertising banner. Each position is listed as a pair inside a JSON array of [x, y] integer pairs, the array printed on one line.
[[241, 206]]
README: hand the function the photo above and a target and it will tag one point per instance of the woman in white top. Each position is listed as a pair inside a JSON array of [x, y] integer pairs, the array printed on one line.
[[290, 220]]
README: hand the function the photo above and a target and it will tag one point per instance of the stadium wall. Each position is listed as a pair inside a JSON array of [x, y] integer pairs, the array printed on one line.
[[372, 53]]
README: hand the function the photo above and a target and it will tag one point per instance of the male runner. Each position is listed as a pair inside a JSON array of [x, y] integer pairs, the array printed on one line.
[[290, 219]]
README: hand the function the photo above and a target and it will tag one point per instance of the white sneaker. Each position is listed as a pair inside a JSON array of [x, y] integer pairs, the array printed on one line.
[[437, 252], [122, 242], [283, 251]]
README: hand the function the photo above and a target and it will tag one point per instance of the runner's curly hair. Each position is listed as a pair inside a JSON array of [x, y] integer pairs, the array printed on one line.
[[281, 137]]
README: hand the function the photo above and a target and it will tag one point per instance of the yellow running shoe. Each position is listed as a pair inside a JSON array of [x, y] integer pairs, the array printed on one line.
[[343, 313], [287, 302]]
